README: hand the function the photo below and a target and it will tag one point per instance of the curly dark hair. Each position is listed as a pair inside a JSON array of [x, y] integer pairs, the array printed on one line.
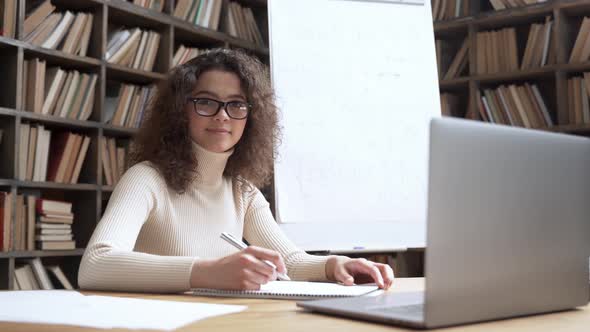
[[164, 138]]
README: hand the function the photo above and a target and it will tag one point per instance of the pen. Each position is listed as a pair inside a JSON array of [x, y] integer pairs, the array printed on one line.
[[241, 245]]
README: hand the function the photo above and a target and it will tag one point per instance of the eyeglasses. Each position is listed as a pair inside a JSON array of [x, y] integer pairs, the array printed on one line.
[[236, 110]]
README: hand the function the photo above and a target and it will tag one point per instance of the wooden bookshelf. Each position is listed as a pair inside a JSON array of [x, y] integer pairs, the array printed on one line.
[[91, 194], [552, 79]]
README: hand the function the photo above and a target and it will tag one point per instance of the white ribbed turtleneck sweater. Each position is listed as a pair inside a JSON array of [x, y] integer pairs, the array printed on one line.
[[150, 236]]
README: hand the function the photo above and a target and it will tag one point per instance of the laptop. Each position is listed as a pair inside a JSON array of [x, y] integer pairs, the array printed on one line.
[[508, 229]]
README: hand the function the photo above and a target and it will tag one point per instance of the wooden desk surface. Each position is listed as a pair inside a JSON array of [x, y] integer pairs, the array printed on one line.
[[284, 316]]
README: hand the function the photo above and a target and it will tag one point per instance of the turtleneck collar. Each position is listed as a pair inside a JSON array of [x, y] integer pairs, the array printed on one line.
[[210, 165]]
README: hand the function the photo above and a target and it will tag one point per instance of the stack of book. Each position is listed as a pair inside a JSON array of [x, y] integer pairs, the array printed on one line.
[[113, 160], [183, 54], [448, 104], [133, 48], [240, 22], [581, 50], [33, 275], [55, 91], [5, 221], [46, 158], [54, 225], [205, 13], [578, 89], [515, 105], [156, 5], [125, 104], [66, 31], [539, 51], [497, 51], [504, 4], [448, 9], [8, 17]]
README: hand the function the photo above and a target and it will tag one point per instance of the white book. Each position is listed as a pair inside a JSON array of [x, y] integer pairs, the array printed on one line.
[[60, 276], [20, 274], [38, 154], [547, 43], [140, 50], [541, 103], [208, 12], [40, 274], [117, 38], [45, 155], [124, 48], [71, 94], [54, 79], [55, 231], [53, 237], [505, 107], [53, 226], [178, 55], [487, 109], [60, 31]]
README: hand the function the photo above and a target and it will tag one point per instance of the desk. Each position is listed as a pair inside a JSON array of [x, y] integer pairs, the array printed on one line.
[[284, 316]]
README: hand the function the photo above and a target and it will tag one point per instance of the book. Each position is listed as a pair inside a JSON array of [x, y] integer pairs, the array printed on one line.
[[56, 245], [9, 17], [40, 274], [36, 16], [60, 276], [291, 290], [42, 226], [44, 205]]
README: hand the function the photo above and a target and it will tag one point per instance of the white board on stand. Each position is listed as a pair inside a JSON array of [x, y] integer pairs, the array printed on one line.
[[357, 84]]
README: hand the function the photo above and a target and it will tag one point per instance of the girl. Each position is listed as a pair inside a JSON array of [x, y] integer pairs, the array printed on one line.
[[207, 142]]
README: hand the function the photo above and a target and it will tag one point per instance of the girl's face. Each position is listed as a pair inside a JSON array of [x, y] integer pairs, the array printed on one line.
[[217, 111]]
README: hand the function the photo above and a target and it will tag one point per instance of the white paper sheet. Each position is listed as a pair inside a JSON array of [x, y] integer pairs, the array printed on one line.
[[73, 308]]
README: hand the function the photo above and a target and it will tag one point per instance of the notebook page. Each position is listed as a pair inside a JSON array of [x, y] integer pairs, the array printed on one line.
[[291, 290]]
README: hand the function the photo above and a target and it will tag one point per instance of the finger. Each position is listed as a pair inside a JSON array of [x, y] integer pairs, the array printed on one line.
[[343, 276], [267, 254], [252, 263], [386, 273], [369, 268], [247, 285], [255, 277]]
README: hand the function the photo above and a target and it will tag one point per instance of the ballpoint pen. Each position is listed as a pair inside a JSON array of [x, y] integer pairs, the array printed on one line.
[[241, 245]]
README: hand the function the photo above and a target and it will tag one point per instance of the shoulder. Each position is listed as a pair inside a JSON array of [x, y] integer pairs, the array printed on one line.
[[144, 173]]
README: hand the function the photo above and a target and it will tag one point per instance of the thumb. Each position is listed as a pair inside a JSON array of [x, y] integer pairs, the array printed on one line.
[[345, 277]]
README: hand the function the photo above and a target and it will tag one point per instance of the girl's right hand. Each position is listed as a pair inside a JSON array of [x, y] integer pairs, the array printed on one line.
[[240, 271]]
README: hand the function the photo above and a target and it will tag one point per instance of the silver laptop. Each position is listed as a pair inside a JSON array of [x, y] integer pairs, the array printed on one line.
[[508, 230]]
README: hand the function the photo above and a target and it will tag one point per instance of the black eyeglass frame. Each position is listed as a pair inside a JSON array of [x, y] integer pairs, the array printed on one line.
[[220, 105]]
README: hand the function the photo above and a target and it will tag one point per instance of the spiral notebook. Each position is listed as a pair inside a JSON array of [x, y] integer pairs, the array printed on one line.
[[291, 290]]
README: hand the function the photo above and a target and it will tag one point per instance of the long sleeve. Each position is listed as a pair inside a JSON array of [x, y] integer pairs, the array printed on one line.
[[110, 262], [261, 229]]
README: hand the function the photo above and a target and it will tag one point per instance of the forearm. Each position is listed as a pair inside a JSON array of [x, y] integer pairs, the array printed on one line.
[[105, 268]]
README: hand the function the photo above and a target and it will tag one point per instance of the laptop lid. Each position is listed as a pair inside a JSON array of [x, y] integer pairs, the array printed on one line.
[[508, 222]]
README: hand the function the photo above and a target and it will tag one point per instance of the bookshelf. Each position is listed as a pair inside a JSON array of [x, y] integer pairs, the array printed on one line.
[[90, 195], [551, 79]]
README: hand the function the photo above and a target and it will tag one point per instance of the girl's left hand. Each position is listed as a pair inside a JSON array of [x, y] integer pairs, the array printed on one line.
[[350, 271]]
